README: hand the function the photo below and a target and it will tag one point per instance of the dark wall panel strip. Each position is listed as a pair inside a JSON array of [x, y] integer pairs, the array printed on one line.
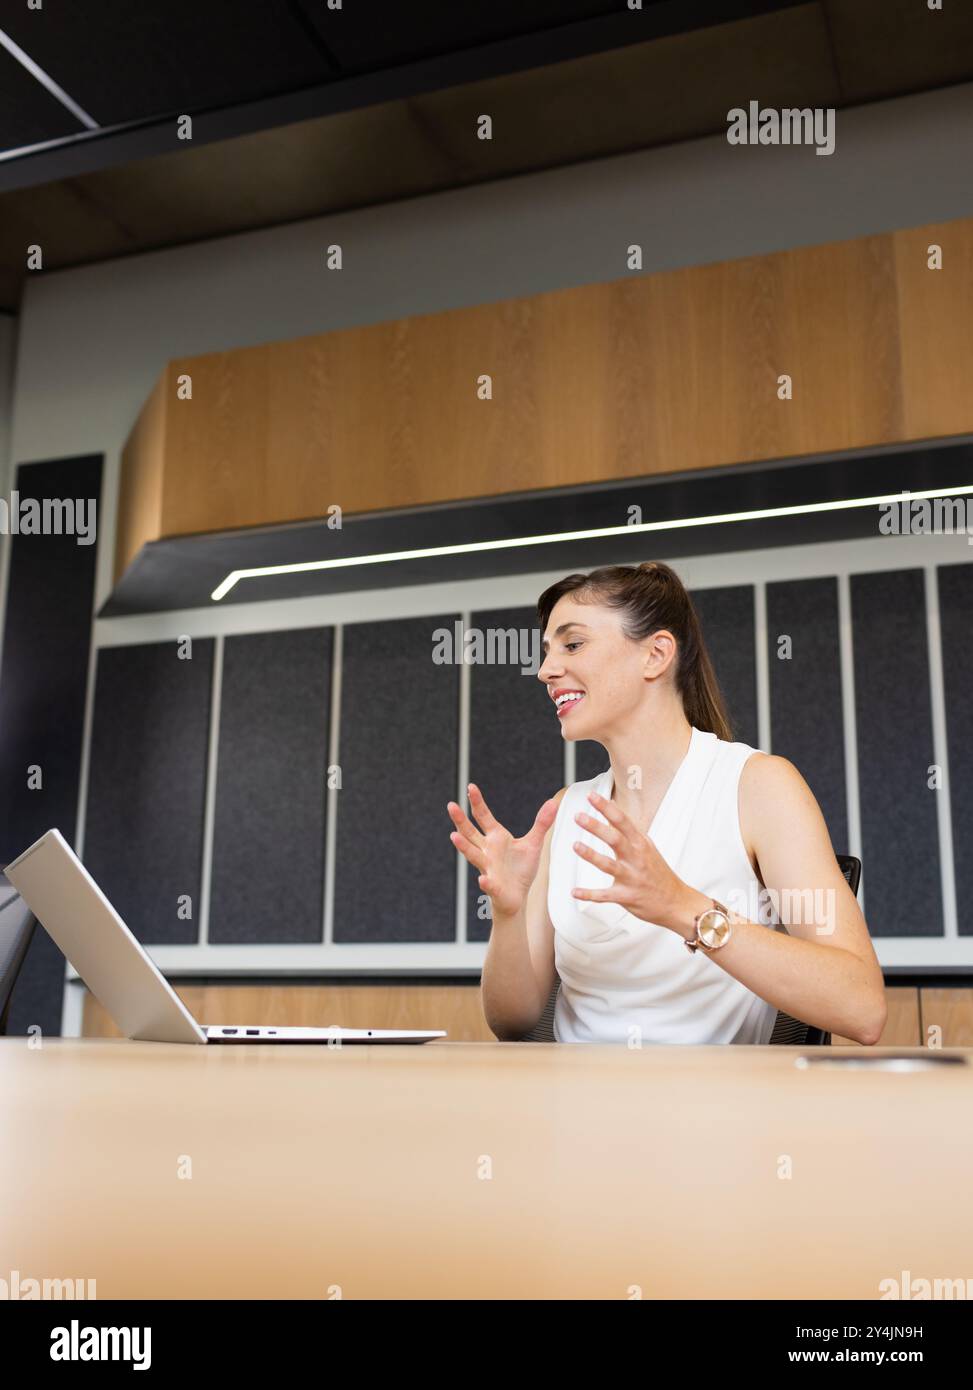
[[516, 744], [147, 783], [590, 759], [726, 618], [956, 627], [46, 644], [271, 788], [900, 839], [806, 721], [396, 866]]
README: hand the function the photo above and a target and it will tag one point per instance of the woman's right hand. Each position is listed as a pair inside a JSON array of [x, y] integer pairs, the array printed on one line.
[[507, 866]]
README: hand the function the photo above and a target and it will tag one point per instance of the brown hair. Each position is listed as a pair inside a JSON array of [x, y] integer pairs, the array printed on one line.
[[652, 596]]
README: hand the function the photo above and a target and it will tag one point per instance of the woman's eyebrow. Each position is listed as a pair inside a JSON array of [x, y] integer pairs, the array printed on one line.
[[563, 628]]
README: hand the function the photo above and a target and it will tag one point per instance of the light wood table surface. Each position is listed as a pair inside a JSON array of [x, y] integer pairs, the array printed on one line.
[[480, 1170]]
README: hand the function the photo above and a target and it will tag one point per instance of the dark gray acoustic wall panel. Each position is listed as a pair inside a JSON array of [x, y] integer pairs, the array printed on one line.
[[271, 788], [900, 841], [590, 759], [956, 626], [395, 875], [727, 620], [146, 785], [46, 645], [516, 746], [806, 721]]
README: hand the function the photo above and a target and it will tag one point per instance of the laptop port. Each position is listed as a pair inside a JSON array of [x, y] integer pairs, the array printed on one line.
[[228, 1031], [253, 1032]]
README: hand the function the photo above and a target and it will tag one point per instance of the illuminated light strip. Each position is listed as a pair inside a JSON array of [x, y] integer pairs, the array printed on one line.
[[41, 76], [307, 566]]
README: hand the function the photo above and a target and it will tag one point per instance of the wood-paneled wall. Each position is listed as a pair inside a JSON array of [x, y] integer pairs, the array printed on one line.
[[457, 1008], [647, 374]]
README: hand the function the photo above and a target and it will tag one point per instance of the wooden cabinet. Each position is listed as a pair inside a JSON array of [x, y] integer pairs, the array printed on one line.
[[650, 374]]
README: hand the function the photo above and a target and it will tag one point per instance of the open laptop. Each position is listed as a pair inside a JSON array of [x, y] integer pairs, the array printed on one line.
[[68, 903]]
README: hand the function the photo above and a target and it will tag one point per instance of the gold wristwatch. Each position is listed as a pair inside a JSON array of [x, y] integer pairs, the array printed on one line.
[[712, 928]]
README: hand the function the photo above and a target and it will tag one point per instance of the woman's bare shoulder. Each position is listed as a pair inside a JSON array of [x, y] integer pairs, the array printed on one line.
[[771, 787]]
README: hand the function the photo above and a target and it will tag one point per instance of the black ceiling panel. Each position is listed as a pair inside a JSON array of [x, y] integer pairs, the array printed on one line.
[[28, 112], [123, 61], [368, 36], [376, 98]]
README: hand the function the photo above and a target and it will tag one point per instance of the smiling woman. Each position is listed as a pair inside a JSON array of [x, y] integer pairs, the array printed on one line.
[[645, 598], [627, 883]]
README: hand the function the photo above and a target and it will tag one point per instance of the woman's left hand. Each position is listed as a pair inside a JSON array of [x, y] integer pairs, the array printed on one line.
[[644, 882]]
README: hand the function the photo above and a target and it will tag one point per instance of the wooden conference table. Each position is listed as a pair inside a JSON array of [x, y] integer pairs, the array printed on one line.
[[480, 1170]]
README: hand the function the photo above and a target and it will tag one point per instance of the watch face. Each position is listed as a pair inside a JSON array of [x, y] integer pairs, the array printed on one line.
[[713, 928]]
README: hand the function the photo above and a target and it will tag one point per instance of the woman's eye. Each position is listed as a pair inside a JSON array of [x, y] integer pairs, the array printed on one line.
[[569, 645]]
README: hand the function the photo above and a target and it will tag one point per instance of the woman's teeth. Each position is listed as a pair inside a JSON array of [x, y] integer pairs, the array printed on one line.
[[566, 702]]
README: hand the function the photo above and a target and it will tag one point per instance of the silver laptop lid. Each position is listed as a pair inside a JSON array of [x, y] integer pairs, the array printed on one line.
[[75, 912]]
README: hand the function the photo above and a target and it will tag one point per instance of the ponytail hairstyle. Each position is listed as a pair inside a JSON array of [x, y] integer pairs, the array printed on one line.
[[651, 596]]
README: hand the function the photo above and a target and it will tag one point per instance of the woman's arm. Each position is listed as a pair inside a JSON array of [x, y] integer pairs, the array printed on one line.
[[518, 971], [824, 971]]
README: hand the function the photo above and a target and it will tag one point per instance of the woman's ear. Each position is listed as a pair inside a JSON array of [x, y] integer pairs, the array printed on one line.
[[660, 651]]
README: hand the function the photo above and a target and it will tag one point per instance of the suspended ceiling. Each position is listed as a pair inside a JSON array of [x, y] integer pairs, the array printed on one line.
[[300, 110]]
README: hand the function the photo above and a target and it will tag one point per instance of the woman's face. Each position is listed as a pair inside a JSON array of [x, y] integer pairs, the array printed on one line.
[[602, 673]]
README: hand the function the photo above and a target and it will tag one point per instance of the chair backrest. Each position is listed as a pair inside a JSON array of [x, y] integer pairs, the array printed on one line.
[[790, 1032], [17, 924], [787, 1031], [852, 870]]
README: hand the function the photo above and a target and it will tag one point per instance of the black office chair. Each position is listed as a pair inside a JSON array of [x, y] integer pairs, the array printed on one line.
[[17, 924], [788, 1032]]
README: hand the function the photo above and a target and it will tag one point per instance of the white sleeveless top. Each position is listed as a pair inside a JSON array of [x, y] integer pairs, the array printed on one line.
[[620, 973]]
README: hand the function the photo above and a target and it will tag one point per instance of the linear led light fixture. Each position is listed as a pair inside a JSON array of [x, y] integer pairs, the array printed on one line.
[[467, 548]]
